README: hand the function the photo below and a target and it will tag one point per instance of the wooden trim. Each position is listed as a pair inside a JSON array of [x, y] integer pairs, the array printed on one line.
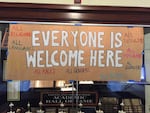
[[74, 13]]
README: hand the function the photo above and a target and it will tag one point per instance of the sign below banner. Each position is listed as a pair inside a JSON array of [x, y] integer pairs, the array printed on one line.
[[63, 52], [69, 98]]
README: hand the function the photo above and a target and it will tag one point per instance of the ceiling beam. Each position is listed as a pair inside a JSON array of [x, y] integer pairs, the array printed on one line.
[[74, 13]]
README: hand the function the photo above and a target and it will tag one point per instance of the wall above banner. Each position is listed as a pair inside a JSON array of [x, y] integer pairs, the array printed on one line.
[[65, 52]]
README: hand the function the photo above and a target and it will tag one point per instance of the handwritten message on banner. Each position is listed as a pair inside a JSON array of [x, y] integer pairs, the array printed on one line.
[[63, 52]]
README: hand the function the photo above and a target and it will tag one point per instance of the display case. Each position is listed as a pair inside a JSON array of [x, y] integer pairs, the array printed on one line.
[[77, 95]]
